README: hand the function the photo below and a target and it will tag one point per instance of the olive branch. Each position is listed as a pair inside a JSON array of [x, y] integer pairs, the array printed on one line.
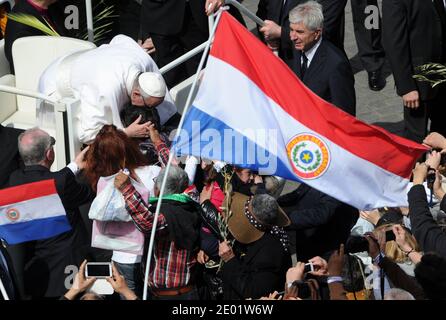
[[223, 219], [433, 73]]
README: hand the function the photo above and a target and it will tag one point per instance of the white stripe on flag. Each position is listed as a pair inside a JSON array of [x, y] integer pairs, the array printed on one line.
[[37, 208]]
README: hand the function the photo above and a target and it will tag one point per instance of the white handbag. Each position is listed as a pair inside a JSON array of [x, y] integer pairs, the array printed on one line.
[[109, 204]]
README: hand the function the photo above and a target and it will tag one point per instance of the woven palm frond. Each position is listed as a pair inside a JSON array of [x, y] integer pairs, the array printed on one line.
[[223, 219], [434, 73], [32, 21], [103, 16]]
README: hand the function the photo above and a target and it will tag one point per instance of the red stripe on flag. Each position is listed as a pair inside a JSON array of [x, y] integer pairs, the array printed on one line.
[[27, 192], [238, 47]]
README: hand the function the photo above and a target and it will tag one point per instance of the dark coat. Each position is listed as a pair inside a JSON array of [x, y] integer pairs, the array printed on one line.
[[412, 36], [15, 30], [321, 223], [330, 76], [275, 11], [9, 156], [8, 277], [428, 233], [258, 272], [400, 279], [40, 265], [165, 17]]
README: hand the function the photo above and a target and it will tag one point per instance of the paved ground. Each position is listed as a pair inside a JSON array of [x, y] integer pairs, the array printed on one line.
[[383, 108]]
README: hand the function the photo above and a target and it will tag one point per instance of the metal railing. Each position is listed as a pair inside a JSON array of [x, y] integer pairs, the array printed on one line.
[[90, 26], [246, 11], [26, 93], [62, 153]]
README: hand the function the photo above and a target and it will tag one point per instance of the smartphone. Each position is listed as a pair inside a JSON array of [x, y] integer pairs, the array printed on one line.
[[98, 269], [308, 267], [390, 236]]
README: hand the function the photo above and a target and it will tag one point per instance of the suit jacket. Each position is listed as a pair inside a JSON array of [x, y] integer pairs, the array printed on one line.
[[41, 264], [258, 272], [321, 223], [275, 10], [412, 36], [426, 230], [8, 276], [9, 156], [15, 30], [329, 76], [165, 17]]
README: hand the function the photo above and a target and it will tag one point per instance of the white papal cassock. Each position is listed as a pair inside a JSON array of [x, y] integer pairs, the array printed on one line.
[[102, 80]]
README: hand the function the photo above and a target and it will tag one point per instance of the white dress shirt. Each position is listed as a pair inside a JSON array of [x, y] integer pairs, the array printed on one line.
[[310, 53]]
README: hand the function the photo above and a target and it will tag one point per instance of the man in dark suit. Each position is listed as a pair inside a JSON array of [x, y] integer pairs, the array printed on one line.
[[9, 157], [176, 26], [42, 10], [276, 30], [370, 50], [414, 33], [319, 64], [40, 265]]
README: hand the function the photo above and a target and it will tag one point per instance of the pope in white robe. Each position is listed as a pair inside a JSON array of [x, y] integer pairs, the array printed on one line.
[[102, 79]]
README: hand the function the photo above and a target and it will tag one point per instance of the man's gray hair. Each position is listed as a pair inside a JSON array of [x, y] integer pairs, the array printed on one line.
[[398, 294], [309, 13], [177, 180], [33, 152], [265, 208]]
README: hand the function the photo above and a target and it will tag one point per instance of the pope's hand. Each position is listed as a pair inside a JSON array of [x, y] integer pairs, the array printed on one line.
[[137, 130]]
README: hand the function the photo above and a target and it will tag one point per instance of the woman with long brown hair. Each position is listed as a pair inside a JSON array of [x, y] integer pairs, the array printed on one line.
[[110, 152]]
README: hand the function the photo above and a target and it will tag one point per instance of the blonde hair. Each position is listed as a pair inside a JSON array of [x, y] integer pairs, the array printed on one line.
[[392, 250]]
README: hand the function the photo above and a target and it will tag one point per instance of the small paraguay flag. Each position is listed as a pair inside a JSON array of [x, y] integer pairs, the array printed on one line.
[[31, 211]]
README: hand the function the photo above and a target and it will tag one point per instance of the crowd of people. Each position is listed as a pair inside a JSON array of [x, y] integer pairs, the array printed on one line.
[[225, 232]]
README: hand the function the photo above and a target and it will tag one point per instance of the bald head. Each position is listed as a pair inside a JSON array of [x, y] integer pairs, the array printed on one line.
[[35, 146]]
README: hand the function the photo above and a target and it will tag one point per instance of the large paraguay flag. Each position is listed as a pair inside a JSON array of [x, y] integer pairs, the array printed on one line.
[[252, 111], [31, 211]]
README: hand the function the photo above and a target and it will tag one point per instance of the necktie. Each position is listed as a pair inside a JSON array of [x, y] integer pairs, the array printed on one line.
[[303, 67]]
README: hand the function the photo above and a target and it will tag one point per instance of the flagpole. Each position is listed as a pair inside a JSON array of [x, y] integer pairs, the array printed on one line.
[[171, 153]]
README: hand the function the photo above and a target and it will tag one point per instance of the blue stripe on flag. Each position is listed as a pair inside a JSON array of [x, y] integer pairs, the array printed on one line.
[[38, 229], [207, 137]]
